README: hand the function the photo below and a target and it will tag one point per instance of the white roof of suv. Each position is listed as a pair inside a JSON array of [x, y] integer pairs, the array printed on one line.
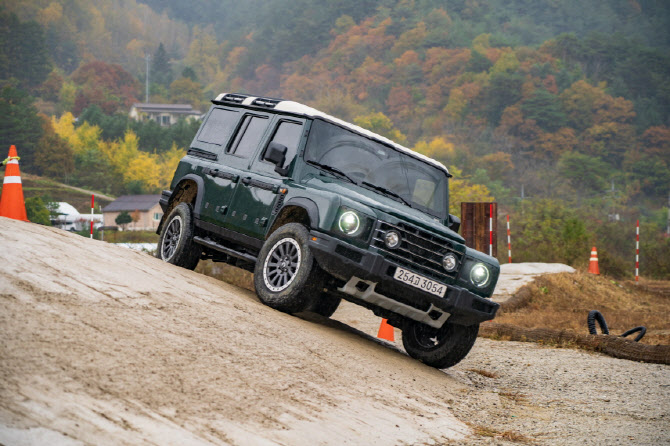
[[301, 109]]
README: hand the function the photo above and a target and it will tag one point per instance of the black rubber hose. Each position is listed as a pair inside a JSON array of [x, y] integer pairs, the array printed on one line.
[[641, 329], [594, 315]]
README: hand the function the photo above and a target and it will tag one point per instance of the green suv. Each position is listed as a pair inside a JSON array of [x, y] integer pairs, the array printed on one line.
[[321, 210]]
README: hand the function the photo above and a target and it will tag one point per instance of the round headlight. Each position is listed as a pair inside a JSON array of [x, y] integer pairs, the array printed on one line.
[[349, 222], [392, 239], [479, 275], [450, 262]]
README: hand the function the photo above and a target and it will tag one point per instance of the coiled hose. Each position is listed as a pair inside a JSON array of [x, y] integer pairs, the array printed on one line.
[[596, 316]]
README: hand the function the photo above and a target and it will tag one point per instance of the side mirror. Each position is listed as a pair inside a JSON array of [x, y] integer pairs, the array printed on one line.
[[276, 154], [454, 223]]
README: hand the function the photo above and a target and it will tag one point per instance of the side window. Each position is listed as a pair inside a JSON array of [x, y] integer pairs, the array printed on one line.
[[219, 126], [248, 136], [287, 133]]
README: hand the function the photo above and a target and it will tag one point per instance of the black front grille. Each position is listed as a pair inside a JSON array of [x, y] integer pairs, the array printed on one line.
[[419, 250]]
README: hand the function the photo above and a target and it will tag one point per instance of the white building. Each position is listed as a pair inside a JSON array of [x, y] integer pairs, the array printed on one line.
[[164, 114], [66, 217]]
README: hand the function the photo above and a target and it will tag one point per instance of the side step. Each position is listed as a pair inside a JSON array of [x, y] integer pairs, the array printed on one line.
[[365, 290], [218, 247]]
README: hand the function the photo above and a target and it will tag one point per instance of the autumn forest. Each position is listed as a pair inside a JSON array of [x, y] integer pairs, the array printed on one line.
[[559, 111]]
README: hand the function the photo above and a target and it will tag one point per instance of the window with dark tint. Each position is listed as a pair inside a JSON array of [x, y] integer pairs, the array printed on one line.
[[288, 134], [371, 163], [249, 136], [219, 126]]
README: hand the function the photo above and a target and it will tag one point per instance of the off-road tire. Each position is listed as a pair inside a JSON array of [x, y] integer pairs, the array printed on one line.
[[176, 244], [326, 304], [286, 276], [439, 348]]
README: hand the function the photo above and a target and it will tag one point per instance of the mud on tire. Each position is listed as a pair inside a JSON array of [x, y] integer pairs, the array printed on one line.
[[286, 276], [325, 304], [439, 348], [176, 244]]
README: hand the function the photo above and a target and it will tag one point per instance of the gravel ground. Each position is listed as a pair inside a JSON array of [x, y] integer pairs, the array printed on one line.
[[544, 395], [106, 346]]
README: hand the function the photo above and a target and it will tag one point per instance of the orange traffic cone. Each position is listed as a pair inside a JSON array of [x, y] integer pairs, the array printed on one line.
[[12, 204], [593, 263], [386, 331]]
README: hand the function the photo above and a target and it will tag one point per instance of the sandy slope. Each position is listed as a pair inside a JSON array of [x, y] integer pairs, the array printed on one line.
[[102, 345]]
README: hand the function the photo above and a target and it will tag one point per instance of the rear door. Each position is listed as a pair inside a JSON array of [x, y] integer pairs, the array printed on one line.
[[220, 175], [260, 187], [232, 166]]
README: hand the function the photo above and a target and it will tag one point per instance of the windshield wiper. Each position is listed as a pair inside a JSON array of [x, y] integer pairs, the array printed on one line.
[[385, 191], [331, 169]]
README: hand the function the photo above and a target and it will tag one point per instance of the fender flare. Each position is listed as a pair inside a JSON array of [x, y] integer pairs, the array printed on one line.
[[308, 205], [200, 184]]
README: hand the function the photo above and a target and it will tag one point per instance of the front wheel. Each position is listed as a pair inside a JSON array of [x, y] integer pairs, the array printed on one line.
[[176, 243], [439, 348], [286, 275]]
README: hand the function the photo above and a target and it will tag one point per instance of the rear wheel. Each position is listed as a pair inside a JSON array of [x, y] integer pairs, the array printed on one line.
[[440, 348], [176, 243], [286, 275]]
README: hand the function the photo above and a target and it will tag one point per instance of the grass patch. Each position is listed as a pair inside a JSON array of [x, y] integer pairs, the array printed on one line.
[[49, 190], [484, 373], [563, 301], [514, 396], [486, 431], [131, 237], [227, 273]]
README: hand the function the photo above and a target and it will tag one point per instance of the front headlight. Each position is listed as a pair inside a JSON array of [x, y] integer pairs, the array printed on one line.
[[480, 275], [349, 222]]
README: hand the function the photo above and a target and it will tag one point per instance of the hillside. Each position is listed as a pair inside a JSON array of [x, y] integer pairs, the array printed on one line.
[[103, 345], [558, 111]]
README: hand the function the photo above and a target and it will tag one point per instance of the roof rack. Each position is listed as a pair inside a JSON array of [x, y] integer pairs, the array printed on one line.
[[266, 102], [233, 97]]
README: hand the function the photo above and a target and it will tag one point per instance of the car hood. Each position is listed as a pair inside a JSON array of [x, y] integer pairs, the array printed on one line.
[[382, 204]]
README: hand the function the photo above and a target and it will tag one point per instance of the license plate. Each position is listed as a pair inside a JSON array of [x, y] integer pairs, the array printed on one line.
[[420, 282]]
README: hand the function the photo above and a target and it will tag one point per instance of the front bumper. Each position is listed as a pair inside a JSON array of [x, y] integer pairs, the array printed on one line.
[[369, 277]]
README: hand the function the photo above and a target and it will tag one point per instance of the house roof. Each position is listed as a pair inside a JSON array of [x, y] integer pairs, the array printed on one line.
[[132, 203], [166, 108]]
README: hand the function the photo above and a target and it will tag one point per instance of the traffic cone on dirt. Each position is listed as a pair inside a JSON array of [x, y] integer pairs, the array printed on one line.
[[12, 204], [593, 263], [386, 331]]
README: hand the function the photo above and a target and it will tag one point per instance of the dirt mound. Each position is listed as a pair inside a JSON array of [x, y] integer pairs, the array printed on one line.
[[107, 344], [103, 345]]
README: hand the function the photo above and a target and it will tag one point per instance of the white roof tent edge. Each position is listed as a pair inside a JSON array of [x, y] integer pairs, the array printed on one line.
[[301, 109]]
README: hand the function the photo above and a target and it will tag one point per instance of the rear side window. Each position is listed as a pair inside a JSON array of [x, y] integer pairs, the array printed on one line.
[[219, 126], [249, 136], [288, 134]]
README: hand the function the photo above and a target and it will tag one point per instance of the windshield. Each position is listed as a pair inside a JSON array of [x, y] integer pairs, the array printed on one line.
[[370, 163]]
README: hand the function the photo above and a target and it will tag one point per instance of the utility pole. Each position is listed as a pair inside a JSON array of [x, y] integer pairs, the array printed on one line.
[[147, 58]]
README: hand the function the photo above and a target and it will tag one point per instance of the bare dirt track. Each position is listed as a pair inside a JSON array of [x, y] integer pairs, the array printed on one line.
[[102, 345]]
